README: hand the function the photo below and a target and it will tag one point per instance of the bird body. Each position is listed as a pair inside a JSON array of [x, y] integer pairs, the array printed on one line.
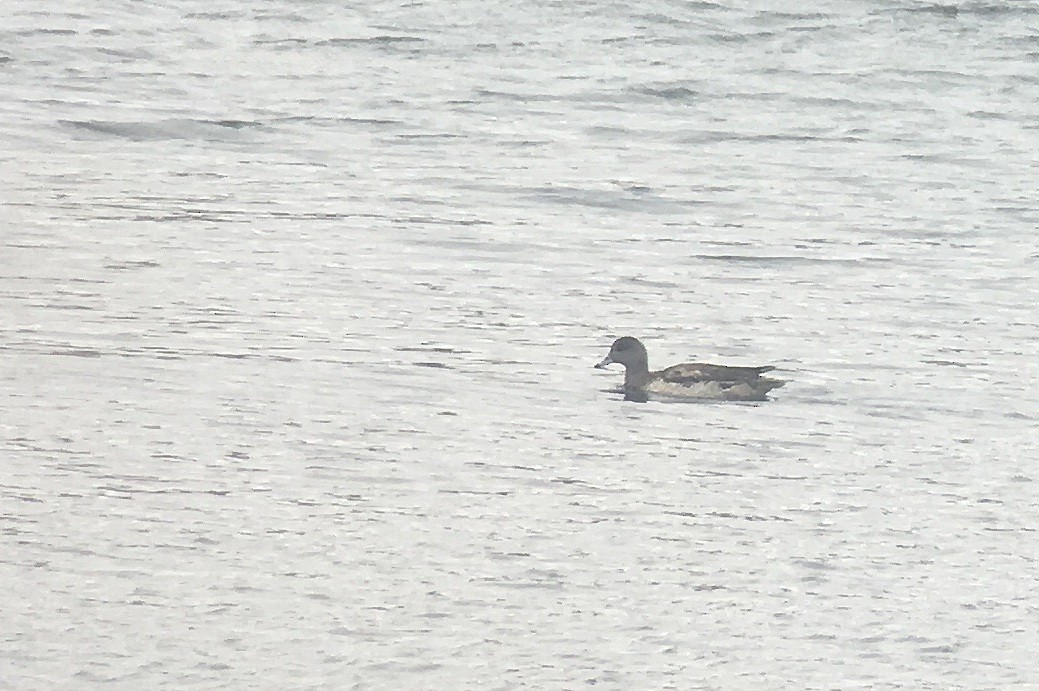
[[692, 380]]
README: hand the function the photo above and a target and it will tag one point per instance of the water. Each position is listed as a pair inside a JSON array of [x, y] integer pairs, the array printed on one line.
[[300, 304]]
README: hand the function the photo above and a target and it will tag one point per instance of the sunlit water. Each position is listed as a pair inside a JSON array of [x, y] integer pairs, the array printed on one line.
[[300, 304]]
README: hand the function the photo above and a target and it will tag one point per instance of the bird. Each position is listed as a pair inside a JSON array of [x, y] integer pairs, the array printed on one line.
[[693, 380]]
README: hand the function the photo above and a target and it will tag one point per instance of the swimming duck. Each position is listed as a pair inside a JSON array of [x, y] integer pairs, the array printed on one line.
[[689, 380]]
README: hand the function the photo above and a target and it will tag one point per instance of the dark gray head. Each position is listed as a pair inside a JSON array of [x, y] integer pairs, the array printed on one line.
[[629, 352]]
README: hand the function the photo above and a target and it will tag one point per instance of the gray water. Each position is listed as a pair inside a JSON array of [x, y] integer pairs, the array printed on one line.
[[300, 302]]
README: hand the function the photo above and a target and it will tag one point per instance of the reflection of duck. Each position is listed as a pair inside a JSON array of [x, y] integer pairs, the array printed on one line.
[[690, 380]]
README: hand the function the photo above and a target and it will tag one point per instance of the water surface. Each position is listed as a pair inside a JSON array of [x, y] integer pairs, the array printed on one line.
[[300, 304]]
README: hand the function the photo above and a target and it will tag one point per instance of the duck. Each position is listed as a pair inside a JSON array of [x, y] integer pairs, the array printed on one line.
[[692, 380]]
